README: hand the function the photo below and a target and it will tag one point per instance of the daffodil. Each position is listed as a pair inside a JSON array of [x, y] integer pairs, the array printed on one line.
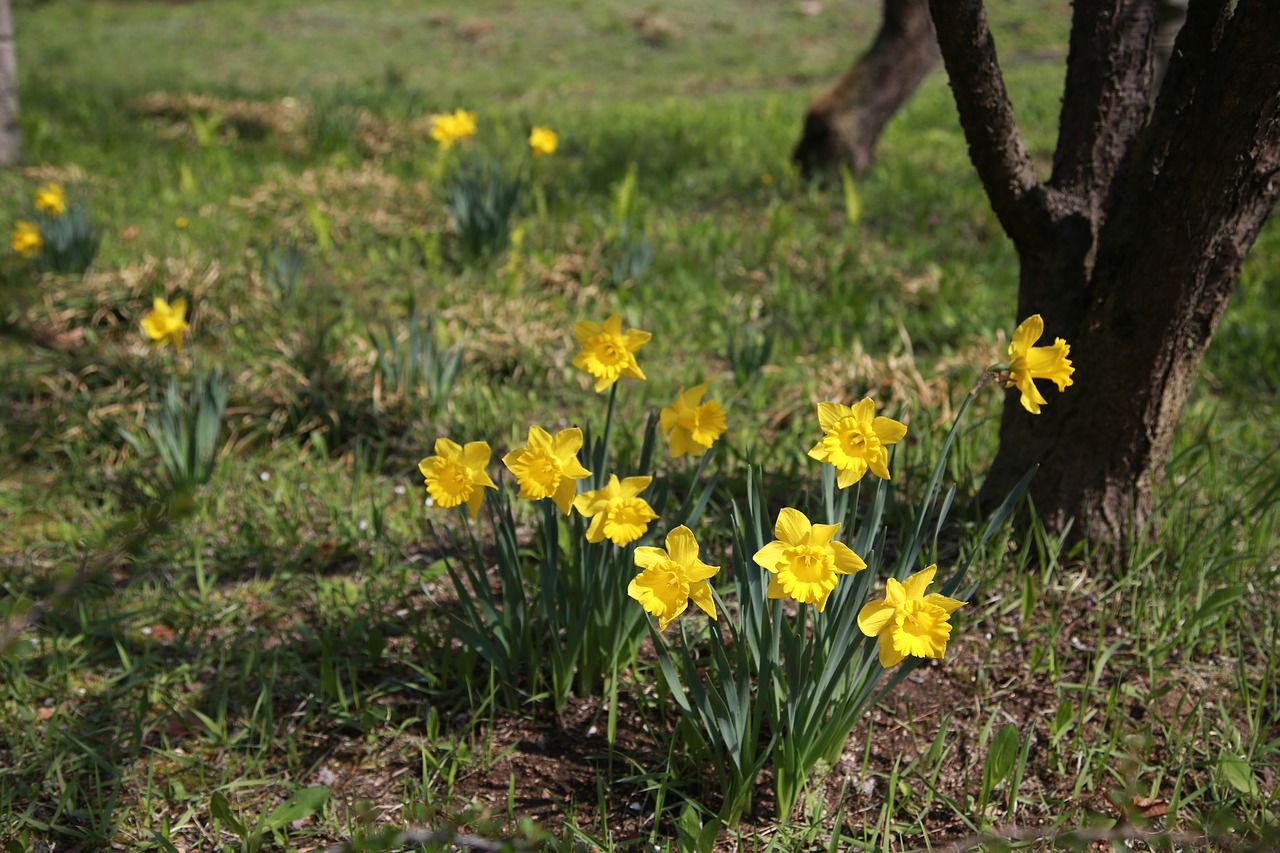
[[51, 199], [448, 128], [543, 140], [616, 511], [856, 441], [165, 323], [456, 474], [907, 621], [26, 238], [607, 351], [547, 467], [1028, 363], [805, 560], [672, 578], [691, 425]]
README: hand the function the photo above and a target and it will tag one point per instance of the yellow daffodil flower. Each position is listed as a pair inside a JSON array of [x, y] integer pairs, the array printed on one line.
[[856, 441], [616, 511], [51, 199], [548, 467], [607, 351], [1028, 363], [456, 474], [448, 128], [907, 621], [690, 425], [543, 140], [26, 238], [805, 560], [165, 323], [672, 578]]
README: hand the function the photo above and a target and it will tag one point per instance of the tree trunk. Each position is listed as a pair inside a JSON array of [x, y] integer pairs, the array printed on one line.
[[843, 125], [10, 132], [1131, 248]]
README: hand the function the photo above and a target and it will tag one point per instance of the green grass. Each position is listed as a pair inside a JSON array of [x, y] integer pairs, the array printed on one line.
[[288, 628]]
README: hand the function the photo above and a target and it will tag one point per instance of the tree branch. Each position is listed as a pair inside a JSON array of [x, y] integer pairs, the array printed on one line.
[[995, 145], [1104, 104], [1209, 156]]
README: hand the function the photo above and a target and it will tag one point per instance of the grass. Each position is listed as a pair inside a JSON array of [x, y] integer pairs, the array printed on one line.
[[287, 628]]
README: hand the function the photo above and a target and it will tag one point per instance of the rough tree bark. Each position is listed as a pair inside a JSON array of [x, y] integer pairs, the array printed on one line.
[[10, 133], [1131, 247], [843, 125]]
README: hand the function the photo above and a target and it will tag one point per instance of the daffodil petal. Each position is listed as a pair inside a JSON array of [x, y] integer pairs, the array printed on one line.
[[792, 526], [1027, 333], [847, 561], [821, 534], [947, 604], [700, 594], [889, 656], [768, 556], [874, 616], [914, 586], [682, 547], [864, 409], [829, 414], [879, 464], [888, 430]]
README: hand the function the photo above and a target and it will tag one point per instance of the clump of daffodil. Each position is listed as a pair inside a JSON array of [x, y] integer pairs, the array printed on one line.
[[856, 441], [672, 578], [617, 512], [805, 560], [51, 199], [607, 351], [547, 467], [457, 475], [26, 239], [543, 140], [448, 128], [1028, 363], [165, 323], [908, 622], [691, 425]]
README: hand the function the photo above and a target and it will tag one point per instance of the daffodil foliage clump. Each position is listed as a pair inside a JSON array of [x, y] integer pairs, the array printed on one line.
[[781, 674], [59, 236]]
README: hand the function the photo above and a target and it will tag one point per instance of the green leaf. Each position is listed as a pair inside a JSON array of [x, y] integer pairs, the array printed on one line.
[[302, 804], [1237, 773], [1062, 719], [707, 838], [1001, 756], [1214, 606], [220, 808], [164, 843]]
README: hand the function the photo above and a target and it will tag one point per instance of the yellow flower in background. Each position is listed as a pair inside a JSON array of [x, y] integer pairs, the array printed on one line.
[[448, 128], [456, 474], [805, 560], [1028, 363], [51, 199], [181, 222], [165, 323], [672, 578], [548, 467], [607, 351], [543, 140], [616, 511], [856, 441], [26, 238], [907, 621], [690, 425]]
